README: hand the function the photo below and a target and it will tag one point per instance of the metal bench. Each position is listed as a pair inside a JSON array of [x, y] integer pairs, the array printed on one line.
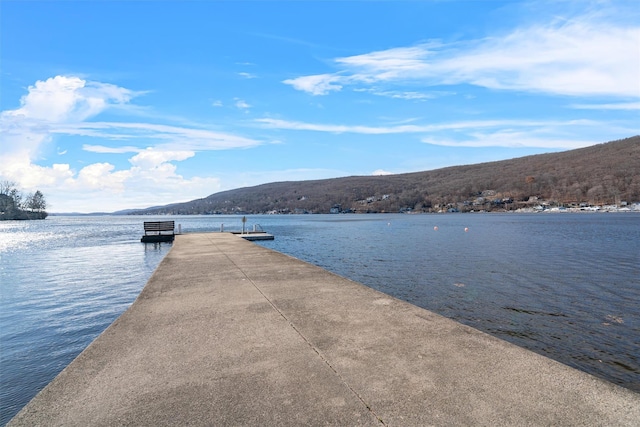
[[158, 231]]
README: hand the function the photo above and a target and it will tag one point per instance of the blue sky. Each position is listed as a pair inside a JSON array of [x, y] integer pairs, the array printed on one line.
[[124, 104]]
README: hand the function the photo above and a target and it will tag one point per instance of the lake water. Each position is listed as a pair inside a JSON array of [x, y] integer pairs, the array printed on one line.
[[563, 285]]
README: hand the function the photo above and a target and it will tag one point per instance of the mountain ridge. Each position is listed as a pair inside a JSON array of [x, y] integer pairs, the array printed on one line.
[[607, 173]]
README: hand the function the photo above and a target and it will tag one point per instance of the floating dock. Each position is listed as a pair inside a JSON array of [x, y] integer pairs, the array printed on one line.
[[229, 333], [255, 235]]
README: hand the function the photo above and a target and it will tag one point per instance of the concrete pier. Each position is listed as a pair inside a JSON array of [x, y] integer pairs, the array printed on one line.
[[227, 333]]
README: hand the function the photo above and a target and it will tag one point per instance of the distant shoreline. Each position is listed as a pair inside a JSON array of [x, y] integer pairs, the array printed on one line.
[[517, 211]]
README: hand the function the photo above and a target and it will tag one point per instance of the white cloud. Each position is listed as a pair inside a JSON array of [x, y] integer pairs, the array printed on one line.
[[100, 176], [106, 190], [247, 75], [380, 172], [151, 158], [62, 106], [151, 180], [50, 103], [241, 104], [63, 99], [317, 85], [19, 169], [585, 56]]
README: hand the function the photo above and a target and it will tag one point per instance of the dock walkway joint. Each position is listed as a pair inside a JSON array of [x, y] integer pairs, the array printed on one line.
[[229, 333]]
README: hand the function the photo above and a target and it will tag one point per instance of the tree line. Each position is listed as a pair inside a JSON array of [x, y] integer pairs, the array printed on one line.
[[14, 205], [603, 174]]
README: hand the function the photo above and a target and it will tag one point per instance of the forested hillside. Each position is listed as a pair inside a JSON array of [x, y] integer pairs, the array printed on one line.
[[598, 175]]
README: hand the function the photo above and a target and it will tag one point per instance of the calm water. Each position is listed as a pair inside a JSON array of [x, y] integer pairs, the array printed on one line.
[[564, 285]]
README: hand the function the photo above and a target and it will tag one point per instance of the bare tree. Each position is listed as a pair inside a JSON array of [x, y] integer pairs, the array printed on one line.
[[9, 188], [6, 187]]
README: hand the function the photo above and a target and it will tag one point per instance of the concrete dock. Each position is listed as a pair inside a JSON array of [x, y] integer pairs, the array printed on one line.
[[228, 333]]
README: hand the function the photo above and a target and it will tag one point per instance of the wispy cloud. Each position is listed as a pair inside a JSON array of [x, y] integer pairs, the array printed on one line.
[[472, 124], [242, 104], [247, 75], [397, 94], [110, 150], [511, 139], [371, 130], [584, 56], [473, 133], [162, 136], [616, 106]]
